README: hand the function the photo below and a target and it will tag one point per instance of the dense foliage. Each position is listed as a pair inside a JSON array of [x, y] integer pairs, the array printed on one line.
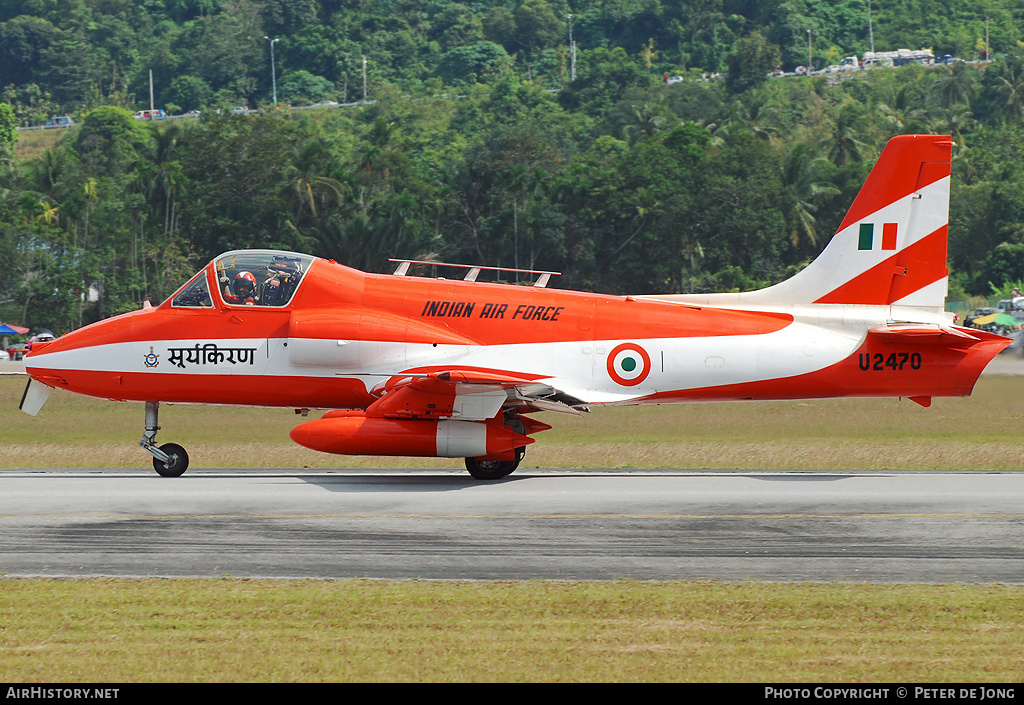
[[479, 146]]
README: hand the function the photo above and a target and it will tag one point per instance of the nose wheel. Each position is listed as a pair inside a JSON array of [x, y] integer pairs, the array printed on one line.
[[170, 459], [176, 463]]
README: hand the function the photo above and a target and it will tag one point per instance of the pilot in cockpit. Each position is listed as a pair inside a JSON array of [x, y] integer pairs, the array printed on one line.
[[242, 291], [260, 278]]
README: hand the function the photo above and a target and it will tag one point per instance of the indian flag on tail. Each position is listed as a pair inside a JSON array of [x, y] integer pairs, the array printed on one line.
[[867, 240]]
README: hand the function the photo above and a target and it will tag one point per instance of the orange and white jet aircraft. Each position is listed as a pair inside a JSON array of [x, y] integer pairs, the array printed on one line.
[[445, 368]]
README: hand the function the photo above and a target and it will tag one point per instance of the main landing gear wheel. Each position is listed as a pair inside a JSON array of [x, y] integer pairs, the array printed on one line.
[[494, 469], [490, 469], [177, 461]]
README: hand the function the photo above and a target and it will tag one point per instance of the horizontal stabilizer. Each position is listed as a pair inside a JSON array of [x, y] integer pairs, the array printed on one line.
[[924, 333]]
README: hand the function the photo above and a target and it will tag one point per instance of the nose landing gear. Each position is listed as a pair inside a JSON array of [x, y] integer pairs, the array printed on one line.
[[170, 459]]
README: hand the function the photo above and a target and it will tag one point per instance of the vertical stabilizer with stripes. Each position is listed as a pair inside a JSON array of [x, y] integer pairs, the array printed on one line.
[[891, 247]]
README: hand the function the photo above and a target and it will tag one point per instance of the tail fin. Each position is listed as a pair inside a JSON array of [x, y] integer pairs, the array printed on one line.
[[891, 247]]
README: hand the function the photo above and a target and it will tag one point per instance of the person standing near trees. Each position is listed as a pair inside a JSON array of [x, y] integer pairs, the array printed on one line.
[[1016, 300]]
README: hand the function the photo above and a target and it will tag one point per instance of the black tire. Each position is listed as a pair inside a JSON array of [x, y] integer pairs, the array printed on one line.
[[177, 462], [491, 469]]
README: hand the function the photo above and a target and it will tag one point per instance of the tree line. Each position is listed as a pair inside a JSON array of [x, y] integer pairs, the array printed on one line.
[[470, 154]]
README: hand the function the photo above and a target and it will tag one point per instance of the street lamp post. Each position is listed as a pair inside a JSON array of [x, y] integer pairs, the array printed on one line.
[[273, 67], [871, 31], [572, 53], [810, 62], [988, 49]]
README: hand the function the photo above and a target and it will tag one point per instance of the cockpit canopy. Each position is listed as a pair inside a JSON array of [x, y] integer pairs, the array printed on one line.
[[247, 278]]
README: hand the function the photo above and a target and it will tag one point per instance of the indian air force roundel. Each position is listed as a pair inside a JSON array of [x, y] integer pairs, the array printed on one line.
[[628, 364]]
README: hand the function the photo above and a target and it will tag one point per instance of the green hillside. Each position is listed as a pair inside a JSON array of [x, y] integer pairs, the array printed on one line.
[[484, 139]]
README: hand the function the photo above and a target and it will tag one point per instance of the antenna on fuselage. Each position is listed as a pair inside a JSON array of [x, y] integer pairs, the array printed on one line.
[[543, 277]]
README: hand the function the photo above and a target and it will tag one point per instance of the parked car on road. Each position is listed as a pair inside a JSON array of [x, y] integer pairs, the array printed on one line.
[[43, 335], [59, 121], [17, 350], [151, 115]]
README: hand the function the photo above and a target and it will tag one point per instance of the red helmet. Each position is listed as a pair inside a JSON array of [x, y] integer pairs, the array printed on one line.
[[246, 281]]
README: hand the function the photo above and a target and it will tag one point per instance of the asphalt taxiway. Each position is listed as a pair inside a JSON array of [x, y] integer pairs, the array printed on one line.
[[855, 526], [552, 524]]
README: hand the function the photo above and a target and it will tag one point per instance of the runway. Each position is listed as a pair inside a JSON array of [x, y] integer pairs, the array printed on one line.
[[882, 527]]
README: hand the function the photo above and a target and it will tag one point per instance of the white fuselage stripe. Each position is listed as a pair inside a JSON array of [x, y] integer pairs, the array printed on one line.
[[579, 368]]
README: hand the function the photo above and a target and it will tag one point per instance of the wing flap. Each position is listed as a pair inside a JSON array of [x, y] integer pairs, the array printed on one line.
[[471, 395]]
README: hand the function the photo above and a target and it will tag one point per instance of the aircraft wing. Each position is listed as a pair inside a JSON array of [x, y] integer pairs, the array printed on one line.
[[470, 395]]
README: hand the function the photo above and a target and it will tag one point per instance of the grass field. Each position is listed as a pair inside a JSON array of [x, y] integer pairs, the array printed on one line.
[[32, 143], [218, 630], [112, 631], [982, 432]]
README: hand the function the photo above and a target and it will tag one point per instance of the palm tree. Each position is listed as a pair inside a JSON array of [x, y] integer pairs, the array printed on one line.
[[646, 205], [760, 115], [91, 192], [50, 171], [526, 184], [48, 212], [9, 179], [801, 168], [381, 135], [844, 142], [515, 179], [165, 177], [756, 115], [1011, 88], [402, 209], [305, 182], [954, 120], [646, 123], [903, 112], [957, 84]]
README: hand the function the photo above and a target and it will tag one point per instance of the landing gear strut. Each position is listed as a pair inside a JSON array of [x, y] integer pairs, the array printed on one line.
[[170, 459]]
